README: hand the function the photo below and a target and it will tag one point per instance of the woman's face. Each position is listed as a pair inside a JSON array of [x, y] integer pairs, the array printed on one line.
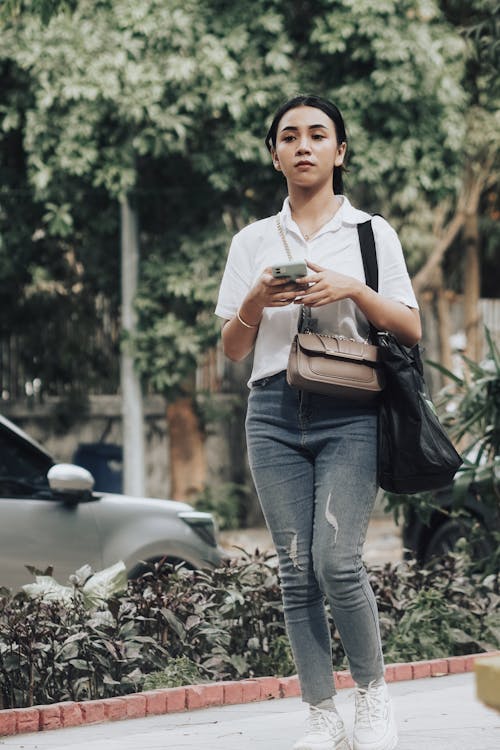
[[306, 147]]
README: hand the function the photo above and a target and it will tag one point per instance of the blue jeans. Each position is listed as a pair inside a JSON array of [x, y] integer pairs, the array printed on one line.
[[313, 461]]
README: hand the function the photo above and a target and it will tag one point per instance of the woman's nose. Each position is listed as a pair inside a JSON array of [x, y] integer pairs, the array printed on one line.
[[303, 146]]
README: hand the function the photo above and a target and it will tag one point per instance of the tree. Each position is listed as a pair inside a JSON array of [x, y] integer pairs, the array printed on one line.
[[475, 21], [123, 92], [45, 9], [42, 277], [166, 103]]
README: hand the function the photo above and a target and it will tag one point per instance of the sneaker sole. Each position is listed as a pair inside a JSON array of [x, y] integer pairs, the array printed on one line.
[[390, 744], [344, 745]]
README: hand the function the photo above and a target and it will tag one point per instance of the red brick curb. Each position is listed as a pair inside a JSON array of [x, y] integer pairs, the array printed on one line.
[[171, 700]]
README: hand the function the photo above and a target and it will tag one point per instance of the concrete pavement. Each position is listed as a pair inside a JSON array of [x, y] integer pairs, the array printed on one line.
[[440, 713]]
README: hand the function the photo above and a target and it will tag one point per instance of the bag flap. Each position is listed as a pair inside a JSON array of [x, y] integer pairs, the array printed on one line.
[[337, 347]]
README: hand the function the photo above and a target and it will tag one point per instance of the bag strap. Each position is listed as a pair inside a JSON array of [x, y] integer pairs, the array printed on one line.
[[370, 264], [368, 253]]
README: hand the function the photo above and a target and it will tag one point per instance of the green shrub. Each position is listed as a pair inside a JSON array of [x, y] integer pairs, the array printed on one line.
[[227, 502], [174, 626], [179, 671], [442, 610], [469, 406]]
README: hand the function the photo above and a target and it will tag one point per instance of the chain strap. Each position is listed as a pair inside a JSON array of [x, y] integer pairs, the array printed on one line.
[[283, 238], [305, 311]]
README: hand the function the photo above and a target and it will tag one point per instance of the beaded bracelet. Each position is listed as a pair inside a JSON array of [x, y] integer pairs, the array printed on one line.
[[247, 325]]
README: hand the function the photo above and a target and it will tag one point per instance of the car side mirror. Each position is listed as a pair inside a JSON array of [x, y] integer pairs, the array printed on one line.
[[70, 480]]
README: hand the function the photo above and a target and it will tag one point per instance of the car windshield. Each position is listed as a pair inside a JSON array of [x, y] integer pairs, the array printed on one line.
[[23, 470]]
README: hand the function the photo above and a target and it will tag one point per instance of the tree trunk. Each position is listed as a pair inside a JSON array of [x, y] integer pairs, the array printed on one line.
[[188, 469], [472, 285], [445, 235], [132, 406], [444, 323]]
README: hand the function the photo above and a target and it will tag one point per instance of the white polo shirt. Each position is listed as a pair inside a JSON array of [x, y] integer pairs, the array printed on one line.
[[335, 246]]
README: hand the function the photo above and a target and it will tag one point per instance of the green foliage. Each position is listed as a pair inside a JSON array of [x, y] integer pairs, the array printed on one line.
[[174, 626], [95, 589], [169, 103], [248, 607], [159, 101], [406, 107], [470, 408], [174, 304], [443, 610], [45, 9], [51, 268], [178, 672], [53, 649], [226, 502], [473, 407]]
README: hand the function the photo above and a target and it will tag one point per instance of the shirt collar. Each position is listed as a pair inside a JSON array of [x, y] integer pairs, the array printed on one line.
[[346, 214]]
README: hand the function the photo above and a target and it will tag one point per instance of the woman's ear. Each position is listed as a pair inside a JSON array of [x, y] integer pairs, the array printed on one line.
[[276, 161], [339, 158]]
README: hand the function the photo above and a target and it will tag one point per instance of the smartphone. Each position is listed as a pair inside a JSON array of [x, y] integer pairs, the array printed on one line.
[[292, 270]]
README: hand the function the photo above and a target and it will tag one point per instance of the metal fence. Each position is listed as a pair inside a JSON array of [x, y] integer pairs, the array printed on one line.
[[31, 366]]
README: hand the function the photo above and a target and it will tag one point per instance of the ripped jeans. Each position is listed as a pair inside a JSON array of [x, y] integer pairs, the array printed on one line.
[[313, 462]]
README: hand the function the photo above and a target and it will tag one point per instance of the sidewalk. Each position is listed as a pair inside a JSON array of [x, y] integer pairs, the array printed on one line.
[[383, 540], [439, 713]]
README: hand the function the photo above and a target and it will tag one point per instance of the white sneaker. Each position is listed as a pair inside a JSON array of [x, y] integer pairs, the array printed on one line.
[[374, 724], [325, 731]]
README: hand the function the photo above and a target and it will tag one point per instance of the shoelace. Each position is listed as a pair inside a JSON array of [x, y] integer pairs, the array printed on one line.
[[321, 721], [370, 705]]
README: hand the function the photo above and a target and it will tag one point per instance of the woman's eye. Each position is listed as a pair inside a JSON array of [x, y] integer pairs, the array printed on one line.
[[318, 137]]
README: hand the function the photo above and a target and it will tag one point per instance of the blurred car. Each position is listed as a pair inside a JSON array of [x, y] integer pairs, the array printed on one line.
[[466, 508], [49, 515]]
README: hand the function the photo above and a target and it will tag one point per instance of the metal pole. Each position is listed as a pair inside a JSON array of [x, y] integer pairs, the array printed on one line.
[[132, 408]]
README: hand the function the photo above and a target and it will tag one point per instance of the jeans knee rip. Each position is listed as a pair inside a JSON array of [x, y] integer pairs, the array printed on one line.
[[331, 518], [292, 549]]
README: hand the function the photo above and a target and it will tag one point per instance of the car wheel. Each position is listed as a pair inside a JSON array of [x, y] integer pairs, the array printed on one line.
[[444, 539]]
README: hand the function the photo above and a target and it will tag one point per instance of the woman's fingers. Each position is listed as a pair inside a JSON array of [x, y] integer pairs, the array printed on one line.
[[313, 278], [319, 296], [314, 266], [279, 292]]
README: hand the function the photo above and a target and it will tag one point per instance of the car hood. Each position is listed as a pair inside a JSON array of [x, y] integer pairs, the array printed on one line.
[[133, 503]]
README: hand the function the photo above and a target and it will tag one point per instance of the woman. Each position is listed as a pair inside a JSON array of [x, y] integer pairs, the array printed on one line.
[[312, 457]]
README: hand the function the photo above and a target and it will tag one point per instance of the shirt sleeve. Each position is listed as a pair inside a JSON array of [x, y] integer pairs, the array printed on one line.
[[394, 280], [236, 280]]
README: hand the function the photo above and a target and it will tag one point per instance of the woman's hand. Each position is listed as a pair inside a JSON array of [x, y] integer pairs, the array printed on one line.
[[325, 286], [271, 292], [239, 333]]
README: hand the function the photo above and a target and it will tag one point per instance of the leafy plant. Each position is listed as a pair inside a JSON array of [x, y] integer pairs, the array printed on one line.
[[473, 408], [438, 611], [95, 589], [173, 626], [226, 502], [470, 408], [58, 643], [179, 671]]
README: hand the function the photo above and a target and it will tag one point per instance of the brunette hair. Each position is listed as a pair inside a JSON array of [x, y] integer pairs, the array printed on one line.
[[333, 112]]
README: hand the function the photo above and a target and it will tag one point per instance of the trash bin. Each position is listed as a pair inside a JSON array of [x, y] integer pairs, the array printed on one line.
[[105, 463]]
